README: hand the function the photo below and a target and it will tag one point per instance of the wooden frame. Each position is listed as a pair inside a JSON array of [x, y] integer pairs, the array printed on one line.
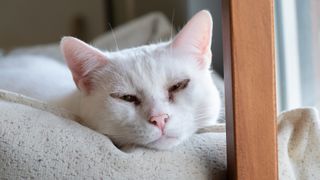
[[249, 73]]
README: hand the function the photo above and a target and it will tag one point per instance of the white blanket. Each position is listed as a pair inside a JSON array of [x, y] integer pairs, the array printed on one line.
[[299, 144], [41, 142], [38, 141]]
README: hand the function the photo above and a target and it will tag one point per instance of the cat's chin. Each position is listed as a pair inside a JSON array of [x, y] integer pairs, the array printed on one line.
[[164, 143]]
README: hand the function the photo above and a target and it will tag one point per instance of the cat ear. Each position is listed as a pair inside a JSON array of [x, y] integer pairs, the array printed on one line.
[[195, 38], [81, 59]]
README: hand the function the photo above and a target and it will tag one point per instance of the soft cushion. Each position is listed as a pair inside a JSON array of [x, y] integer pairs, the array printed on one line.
[[299, 144], [39, 141], [42, 142]]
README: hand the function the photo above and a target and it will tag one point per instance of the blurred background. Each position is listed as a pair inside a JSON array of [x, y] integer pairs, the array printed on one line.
[[27, 25], [297, 27]]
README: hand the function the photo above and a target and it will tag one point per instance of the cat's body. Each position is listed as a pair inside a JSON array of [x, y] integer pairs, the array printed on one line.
[[155, 95]]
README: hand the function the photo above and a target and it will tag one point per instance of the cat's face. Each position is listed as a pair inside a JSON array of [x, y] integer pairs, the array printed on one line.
[[155, 95]]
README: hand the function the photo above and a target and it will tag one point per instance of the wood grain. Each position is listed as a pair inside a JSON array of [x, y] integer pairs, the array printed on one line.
[[249, 67]]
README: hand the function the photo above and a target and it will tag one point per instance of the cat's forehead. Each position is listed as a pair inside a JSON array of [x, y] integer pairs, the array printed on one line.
[[148, 67], [139, 52], [150, 59]]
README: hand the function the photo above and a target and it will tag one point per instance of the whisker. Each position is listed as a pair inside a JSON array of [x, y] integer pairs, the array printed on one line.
[[172, 26], [114, 37]]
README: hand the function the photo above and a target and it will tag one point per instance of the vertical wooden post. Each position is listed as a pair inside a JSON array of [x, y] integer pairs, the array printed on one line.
[[249, 67]]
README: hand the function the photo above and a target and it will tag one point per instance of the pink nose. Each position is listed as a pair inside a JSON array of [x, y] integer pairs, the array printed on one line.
[[159, 120]]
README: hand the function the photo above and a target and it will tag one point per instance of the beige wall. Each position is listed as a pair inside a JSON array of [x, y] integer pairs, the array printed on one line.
[[26, 22]]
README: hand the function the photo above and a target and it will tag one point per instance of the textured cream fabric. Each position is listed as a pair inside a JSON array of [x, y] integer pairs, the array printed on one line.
[[299, 144], [40, 142]]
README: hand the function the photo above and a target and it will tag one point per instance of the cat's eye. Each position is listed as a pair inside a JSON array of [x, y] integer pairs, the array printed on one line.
[[179, 86], [127, 97]]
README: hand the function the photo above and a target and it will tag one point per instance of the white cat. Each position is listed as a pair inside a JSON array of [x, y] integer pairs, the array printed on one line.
[[155, 95]]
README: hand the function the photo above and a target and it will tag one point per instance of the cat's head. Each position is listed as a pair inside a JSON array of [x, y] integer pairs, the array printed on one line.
[[155, 95]]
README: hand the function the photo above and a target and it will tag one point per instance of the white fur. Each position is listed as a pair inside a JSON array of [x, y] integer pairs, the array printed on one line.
[[146, 72]]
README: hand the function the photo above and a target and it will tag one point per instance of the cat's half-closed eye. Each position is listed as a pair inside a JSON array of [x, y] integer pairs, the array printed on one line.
[[127, 97], [177, 87]]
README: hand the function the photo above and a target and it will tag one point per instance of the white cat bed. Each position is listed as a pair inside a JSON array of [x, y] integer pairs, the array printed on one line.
[[299, 144], [39, 141]]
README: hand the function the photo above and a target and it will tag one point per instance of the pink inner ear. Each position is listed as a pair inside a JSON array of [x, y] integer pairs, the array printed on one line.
[[195, 38], [82, 59]]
